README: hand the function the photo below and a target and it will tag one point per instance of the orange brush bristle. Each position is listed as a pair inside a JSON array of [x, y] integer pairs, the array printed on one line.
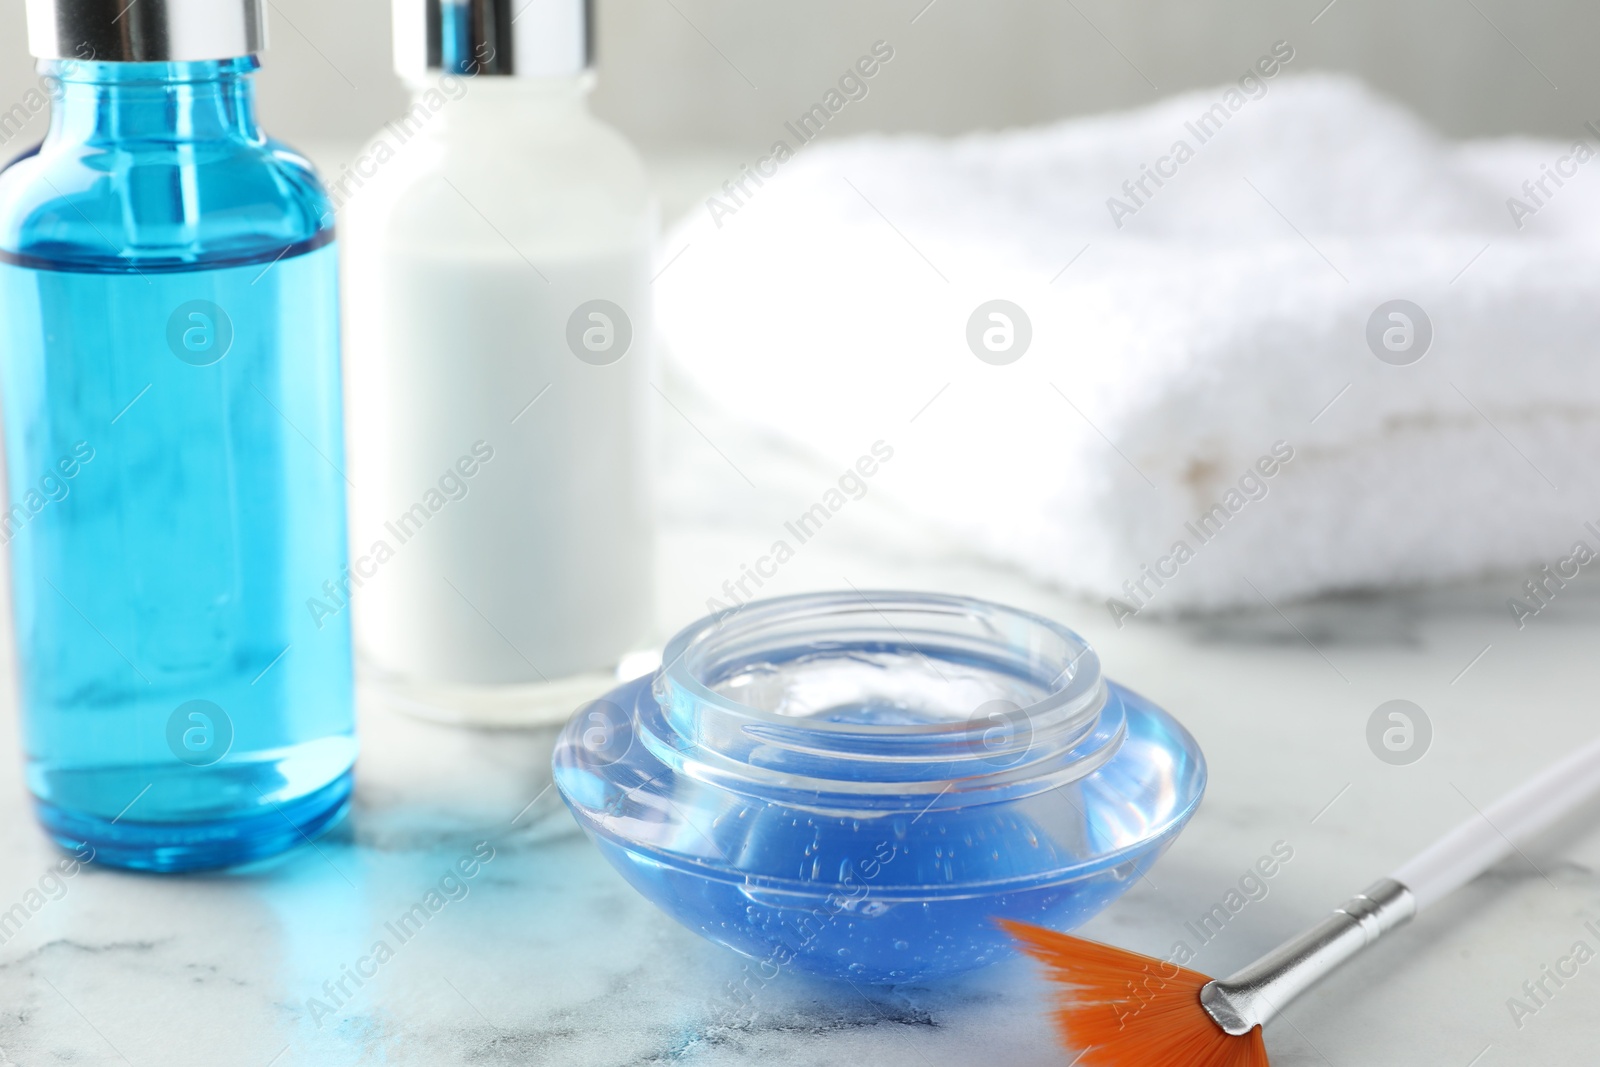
[[1127, 1010]]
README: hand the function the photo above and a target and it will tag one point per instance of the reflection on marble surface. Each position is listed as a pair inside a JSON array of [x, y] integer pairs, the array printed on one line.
[[543, 955]]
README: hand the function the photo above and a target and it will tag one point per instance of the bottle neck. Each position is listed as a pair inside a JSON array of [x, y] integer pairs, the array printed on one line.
[[455, 104], [152, 102]]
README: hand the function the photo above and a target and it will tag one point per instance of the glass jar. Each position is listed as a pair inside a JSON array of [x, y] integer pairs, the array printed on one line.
[[858, 784]]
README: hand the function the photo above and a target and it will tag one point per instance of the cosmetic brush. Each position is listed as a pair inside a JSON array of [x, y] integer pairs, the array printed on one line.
[[1128, 1010]]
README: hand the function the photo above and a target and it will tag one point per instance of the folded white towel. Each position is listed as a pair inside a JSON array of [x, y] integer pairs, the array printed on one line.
[[1208, 330]]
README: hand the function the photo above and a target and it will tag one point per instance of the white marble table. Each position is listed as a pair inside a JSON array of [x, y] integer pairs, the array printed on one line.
[[552, 959]]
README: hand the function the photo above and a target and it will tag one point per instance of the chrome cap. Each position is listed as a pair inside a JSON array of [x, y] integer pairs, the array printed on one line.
[[145, 31], [524, 38]]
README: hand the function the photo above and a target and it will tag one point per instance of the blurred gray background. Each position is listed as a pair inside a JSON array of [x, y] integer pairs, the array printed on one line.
[[686, 76]]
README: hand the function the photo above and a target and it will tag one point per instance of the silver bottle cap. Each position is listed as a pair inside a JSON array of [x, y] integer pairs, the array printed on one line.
[[522, 38], [145, 31]]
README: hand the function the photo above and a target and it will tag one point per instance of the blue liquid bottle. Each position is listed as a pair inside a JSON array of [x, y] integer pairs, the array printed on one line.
[[170, 365]]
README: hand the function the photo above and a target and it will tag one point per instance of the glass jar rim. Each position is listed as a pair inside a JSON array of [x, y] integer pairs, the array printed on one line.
[[742, 738], [678, 657]]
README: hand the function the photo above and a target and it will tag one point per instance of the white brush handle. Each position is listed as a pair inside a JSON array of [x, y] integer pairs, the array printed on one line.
[[1254, 996], [1490, 835]]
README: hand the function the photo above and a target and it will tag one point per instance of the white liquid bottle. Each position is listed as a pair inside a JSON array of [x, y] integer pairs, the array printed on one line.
[[498, 323]]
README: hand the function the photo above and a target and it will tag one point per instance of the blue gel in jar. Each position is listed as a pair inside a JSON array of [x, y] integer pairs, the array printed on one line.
[[857, 785]]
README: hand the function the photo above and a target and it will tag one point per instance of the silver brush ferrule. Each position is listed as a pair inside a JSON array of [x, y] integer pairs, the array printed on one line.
[[1256, 995]]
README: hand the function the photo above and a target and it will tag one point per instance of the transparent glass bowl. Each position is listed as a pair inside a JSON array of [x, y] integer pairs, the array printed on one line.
[[857, 784]]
